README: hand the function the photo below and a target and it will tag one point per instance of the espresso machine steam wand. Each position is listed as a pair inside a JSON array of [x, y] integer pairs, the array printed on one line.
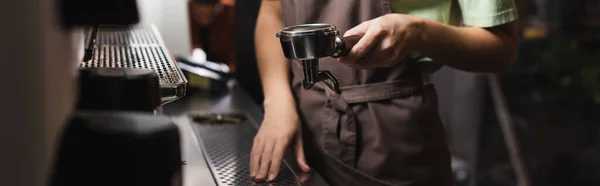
[[308, 43]]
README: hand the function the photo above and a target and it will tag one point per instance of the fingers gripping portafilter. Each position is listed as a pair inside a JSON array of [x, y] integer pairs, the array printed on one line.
[[308, 43]]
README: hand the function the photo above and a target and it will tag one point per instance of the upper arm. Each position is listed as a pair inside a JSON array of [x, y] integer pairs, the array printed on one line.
[[508, 35], [269, 18], [488, 13], [270, 8], [497, 16]]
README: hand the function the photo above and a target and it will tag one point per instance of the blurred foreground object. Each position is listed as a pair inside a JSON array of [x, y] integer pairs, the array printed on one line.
[[119, 149]]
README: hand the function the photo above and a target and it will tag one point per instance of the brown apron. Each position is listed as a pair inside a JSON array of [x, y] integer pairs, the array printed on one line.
[[384, 127]]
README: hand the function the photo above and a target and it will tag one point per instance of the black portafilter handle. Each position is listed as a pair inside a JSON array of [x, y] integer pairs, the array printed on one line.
[[344, 45]]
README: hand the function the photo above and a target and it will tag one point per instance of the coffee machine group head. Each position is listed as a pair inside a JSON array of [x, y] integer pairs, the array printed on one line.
[[308, 43]]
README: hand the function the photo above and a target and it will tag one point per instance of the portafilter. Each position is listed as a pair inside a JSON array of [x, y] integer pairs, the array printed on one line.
[[308, 43]]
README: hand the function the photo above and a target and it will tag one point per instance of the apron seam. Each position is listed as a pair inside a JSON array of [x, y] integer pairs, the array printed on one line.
[[384, 96], [356, 171], [403, 82]]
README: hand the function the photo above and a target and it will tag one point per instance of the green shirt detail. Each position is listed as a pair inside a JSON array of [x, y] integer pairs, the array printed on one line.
[[478, 13]]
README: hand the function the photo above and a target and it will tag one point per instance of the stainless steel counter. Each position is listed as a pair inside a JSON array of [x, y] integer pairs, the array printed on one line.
[[217, 154]]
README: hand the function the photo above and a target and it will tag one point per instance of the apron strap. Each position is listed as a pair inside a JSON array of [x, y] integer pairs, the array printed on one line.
[[380, 91], [339, 126]]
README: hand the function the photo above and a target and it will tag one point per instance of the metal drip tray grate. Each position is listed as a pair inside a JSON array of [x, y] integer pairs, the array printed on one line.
[[138, 46], [227, 149]]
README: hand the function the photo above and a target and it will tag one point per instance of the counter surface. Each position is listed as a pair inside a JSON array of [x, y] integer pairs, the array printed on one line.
[[223, 149]]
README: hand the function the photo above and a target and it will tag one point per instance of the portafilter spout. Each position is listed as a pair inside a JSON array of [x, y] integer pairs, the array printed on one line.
[[308, 43]]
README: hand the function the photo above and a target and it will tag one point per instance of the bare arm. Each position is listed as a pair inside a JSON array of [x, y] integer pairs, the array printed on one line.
[[273, 66], [390, 38], [280, 127], [469, 48]]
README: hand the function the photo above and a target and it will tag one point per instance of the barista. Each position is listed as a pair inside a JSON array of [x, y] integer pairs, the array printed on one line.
[[383, 128]]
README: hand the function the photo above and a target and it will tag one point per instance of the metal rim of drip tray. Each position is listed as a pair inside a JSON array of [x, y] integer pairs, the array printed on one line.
[[226, 141], [138, 46]]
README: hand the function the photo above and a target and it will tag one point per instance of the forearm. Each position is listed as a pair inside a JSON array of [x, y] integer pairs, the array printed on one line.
[[469, 48], [273, 66]]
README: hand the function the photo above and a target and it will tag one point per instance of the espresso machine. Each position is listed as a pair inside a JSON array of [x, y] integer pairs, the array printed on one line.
[[73, 116]]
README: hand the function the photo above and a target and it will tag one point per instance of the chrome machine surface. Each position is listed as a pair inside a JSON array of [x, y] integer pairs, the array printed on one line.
[[139, 46]]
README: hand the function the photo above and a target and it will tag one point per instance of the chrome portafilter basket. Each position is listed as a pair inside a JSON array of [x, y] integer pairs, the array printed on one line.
[[308, 43]]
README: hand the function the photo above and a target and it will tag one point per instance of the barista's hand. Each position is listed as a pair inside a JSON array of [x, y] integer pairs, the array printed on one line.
[[386, 41], [279, 129]]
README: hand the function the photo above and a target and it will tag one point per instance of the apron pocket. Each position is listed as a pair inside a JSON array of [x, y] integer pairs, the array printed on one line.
[[340, 121], [402, 140]]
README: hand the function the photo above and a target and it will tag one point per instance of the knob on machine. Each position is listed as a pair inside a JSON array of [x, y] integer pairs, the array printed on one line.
[[308, 43]]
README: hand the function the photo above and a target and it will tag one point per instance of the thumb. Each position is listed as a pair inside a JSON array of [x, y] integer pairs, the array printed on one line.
[[360, 30], [299, 149]]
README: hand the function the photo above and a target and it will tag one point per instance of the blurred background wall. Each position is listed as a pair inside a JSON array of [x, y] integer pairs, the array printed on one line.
[[172, 21]]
